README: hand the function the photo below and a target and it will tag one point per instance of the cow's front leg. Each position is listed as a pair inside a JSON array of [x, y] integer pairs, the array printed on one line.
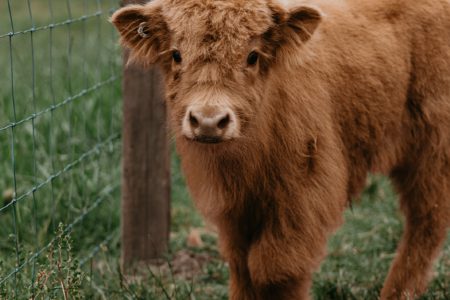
[[245, 285], [240, 286], [234, 248], [293, 288], [281, 267]]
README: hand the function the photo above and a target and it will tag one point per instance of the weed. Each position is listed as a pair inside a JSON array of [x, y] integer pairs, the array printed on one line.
[[59, 276]]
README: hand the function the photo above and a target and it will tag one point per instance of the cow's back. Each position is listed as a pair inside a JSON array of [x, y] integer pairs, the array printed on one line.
[[381, 62]]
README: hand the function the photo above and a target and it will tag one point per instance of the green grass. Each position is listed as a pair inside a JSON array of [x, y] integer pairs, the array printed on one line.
[[359, 255], [71, 156], [60, 124]]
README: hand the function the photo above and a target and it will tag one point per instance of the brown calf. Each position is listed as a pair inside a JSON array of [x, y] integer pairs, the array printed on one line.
[[280, 111]]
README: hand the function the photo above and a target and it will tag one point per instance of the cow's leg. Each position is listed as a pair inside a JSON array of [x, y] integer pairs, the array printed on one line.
[[242, 287], [234, 248], [273, 267], [281, 267], [294, 288], [240, 284], [425, 201]]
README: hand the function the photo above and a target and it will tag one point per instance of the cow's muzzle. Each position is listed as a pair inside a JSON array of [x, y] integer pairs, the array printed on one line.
[[209, 124]]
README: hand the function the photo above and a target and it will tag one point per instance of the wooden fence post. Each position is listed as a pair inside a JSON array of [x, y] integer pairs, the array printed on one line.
[[145, 172]]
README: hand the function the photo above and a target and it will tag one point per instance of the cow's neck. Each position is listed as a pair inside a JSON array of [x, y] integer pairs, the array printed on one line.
[[223, 181]]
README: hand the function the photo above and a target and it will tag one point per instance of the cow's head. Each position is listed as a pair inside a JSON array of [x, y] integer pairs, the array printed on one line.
[[216, 56]]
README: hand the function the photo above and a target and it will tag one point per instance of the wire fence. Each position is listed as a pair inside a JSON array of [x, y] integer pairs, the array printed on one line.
[[60, 120]]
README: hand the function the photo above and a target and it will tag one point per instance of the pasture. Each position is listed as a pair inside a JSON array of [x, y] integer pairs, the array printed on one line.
[[60, 153]]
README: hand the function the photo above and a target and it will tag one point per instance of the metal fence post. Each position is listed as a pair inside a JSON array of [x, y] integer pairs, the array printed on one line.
[[146, 175]]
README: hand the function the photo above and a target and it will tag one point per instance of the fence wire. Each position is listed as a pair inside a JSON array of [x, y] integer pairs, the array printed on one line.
[[60, 119]]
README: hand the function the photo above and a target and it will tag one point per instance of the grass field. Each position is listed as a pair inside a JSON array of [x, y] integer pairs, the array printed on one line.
[[60, 124], [359, 255]]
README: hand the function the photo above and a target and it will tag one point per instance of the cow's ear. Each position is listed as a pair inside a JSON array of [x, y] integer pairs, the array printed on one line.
[[303, 22], [292, 26], [143, 30]]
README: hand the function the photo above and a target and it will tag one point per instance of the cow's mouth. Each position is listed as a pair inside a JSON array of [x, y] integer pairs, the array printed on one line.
[[208, 139]]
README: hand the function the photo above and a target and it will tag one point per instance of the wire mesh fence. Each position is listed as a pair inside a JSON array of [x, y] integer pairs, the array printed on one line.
[[60, 120]]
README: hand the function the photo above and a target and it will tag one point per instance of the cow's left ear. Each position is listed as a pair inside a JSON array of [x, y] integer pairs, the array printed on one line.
[[303, 21]]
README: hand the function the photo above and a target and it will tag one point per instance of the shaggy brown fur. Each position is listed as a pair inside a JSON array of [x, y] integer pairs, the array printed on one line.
[[341, 88]]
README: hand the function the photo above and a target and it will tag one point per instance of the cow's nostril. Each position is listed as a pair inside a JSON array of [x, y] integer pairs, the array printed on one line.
[[193, 120], [224, 122]]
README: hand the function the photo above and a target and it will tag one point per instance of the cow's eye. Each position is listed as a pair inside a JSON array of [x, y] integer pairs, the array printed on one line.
[[176, 56], [252, 58]]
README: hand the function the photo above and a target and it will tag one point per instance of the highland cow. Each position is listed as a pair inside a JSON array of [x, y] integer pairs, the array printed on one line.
[[280, 110]]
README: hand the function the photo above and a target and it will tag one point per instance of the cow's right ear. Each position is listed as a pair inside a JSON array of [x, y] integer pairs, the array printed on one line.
[[303, 22], [294, 26], [143, 30]]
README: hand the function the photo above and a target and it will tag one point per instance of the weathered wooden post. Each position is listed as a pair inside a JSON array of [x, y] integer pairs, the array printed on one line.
[[146, 160]]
